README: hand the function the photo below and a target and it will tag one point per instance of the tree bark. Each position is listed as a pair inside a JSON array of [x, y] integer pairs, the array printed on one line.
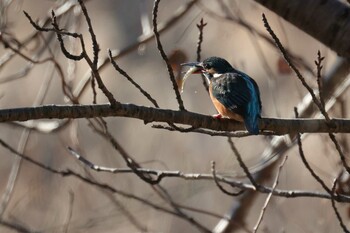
[[328, 21], [149, 114]]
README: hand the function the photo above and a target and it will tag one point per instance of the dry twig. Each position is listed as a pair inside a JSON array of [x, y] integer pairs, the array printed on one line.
[[256, 227], [307, 165], [242, 164], [200, 27], [122, 72], [213, 171], [319, 103], [341, 222], [164, 56]]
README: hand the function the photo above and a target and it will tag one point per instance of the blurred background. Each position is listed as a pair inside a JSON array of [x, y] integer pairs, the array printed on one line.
[[41, 201]]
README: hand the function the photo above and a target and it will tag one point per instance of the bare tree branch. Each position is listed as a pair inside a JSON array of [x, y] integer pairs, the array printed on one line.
[[200, 27], [149, 114], [256, 227], [213, 171], [162, 27], [161, 174], [341, 222], [122, 72], [242, 164], [164, 56]]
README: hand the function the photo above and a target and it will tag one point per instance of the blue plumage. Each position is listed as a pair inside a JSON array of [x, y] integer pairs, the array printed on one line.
[[253, 112]]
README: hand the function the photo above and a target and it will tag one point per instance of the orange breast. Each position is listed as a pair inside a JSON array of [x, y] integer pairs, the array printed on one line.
[[222, 109]]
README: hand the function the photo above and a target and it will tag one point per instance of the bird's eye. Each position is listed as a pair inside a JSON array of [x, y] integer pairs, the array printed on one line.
[[207, 66]]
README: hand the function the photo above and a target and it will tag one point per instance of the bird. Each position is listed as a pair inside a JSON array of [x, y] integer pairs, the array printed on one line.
[[234, 94]]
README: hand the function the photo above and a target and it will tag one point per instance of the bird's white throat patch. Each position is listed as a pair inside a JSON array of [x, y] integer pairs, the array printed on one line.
[[216, 75]]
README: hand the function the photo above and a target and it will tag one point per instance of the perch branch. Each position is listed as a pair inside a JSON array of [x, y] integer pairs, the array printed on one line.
[[149, 114]]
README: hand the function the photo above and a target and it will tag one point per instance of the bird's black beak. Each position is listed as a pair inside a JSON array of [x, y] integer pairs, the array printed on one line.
[[198, 65]]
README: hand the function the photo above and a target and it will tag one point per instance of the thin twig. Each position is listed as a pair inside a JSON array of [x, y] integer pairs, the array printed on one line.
[[241, 163], [93, 65], [191, 176], [141, 40], [310, 90], [59, 34], [256, 227], [164, 56], [200, 27], [250, 27], [134, 166], [68, 172], [213, 171], [160, 174], [341, 222], [319, 67], [294, 68], [122, 72], [340, 151], [94, 69], [95, 46], [306, 163], [130, 162]]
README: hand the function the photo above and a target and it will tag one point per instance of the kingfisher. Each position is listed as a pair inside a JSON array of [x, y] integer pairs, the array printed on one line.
[[234, 94]]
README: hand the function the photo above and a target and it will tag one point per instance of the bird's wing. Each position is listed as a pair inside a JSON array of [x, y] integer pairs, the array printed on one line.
[[232, 91]]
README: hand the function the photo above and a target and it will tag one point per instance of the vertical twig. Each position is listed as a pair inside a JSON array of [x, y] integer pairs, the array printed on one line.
[[122, 72], [310, 90], [306, 163], [293, 67], [94, 63], [341, 222], [256, 227], [319, 67], [241, 163], [200, 27], [95, 46], [164, 56], [130, 162]]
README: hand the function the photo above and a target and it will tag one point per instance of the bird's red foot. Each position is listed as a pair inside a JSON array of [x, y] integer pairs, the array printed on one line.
[[217, 116]]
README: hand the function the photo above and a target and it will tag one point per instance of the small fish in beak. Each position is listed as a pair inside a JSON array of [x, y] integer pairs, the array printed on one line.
[[196, 68]]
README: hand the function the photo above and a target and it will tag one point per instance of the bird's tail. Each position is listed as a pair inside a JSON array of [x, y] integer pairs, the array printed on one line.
[[253, 110], [251, 119], [252, 123]]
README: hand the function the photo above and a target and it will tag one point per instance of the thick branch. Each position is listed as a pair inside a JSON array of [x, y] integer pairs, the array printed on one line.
[[149, 114], [326, 20]]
